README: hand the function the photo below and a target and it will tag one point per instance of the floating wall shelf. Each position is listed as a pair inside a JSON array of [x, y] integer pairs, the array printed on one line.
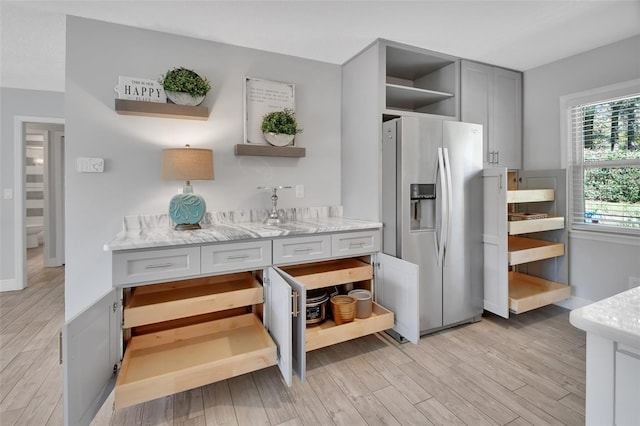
[[270, 151], [155, 109]]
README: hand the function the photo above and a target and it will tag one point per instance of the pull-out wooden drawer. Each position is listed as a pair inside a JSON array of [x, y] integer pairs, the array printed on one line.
[[329, 273], [328, 333], [178, 299], [217, 258], [523, 250], [172, 361], [137, 267]]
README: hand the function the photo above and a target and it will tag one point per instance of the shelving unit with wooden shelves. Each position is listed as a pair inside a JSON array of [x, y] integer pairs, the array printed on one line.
[[512, 244]]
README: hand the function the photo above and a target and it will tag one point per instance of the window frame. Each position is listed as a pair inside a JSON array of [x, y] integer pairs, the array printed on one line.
[[567, 102]]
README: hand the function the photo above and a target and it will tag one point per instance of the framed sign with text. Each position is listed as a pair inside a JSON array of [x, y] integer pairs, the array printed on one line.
[[140, 89], [262, 97]]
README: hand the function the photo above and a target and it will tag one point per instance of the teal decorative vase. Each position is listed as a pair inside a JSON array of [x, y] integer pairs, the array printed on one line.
[[187, 209]]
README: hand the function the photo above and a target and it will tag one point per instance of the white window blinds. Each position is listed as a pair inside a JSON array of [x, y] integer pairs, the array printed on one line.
[[605, 164]]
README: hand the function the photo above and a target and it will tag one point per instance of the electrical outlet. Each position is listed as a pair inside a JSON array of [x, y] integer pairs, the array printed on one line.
[[299, 191], [634, 282]]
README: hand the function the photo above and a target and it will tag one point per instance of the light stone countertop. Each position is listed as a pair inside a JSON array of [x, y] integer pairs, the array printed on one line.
[[616, 318], [157, 231]]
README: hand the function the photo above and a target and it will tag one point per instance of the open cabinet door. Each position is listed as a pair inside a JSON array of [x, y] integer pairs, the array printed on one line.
[[91, 351], [283, 327], [495, 243], [397, 290]]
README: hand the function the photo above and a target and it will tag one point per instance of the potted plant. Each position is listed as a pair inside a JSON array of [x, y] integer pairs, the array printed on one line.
[[184, 86], [280, 127]]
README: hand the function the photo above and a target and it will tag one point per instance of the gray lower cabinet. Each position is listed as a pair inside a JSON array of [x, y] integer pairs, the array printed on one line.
[[164, 334]]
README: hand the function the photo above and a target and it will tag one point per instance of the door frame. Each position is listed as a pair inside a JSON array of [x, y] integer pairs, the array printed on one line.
[[20, 231]]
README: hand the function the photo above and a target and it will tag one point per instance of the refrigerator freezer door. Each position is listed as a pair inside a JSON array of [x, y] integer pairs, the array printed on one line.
[[419, 140], [463, 261]]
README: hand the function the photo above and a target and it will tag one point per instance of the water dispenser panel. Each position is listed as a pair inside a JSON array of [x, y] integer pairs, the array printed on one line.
[[423, 191]]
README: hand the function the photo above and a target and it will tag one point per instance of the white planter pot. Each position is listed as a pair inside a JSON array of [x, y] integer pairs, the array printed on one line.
[[279, 139], [184, 98]]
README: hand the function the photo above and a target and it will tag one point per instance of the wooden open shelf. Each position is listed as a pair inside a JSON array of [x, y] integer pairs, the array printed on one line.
[[527, 292], [172, 361], [517, 227], [269, 151], [530, 195], [524, 250], [328, 333], [178, 299], [156, 109], [329, 273]]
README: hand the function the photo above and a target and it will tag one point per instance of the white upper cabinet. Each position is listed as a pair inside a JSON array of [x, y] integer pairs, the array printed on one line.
[[492, 96]]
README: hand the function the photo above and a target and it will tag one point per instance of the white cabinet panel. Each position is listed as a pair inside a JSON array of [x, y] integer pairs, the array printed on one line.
[[301, 249], [355, 243], [627, 387], [231, 257], [91, 350], [397, 290], [144, 266], [494, 239]]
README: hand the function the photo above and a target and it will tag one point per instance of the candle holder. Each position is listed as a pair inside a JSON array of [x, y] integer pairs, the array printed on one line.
[[274, 218]]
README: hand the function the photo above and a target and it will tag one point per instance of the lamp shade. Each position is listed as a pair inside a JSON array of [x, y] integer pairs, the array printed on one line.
[[187, 164]]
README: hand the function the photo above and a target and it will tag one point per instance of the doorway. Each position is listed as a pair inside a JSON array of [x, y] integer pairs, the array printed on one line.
[[28, 205]]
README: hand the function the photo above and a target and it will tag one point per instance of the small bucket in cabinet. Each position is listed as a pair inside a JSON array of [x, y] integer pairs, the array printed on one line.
[[364, 304]]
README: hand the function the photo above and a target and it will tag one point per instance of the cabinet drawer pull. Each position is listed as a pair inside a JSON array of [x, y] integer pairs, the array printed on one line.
[[356, 245], [238, 257], [302, 250], [158, 265]]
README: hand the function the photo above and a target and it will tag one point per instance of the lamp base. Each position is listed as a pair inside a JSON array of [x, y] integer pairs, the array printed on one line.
[[187, 227], [187, 209]]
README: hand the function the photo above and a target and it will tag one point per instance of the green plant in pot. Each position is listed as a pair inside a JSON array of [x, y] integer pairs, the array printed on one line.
[[280, 127], [184, 86]]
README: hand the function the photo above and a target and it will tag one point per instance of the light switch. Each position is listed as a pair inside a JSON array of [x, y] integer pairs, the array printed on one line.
[[90, 165], [7, 193]]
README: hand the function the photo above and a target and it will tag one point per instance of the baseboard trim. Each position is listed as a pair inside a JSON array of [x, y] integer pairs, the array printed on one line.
[[9, 285], [574, 302]]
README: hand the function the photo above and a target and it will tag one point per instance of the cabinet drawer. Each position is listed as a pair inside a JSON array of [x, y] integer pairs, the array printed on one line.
[[330, 272], [172, 361], [328, 333], [155, 265], [168, 301], [301, 249], [354, 243], [235, 257]]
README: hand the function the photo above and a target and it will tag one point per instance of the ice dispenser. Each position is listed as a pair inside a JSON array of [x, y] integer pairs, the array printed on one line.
[[423, 206]]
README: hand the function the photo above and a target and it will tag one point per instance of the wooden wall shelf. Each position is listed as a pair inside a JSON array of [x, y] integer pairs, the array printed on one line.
[[155, 109], [269, 151]]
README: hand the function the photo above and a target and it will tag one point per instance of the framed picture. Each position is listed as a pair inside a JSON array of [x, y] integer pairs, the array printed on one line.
[[262, 97]]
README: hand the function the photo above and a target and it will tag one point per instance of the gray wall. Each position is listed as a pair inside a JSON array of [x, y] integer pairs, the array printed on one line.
[[97, 53], [26, 103], [597, 268]]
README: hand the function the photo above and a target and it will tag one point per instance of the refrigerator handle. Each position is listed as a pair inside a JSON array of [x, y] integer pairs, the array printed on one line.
[[447, 168], [444, 205]]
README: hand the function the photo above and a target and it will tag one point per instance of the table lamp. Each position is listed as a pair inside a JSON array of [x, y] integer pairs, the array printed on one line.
[[187, 209]]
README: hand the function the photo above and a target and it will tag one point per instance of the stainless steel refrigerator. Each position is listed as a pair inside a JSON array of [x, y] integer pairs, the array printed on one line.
[[432, 213]]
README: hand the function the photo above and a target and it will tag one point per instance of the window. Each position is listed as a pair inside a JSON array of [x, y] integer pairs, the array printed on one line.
[[604, 164]]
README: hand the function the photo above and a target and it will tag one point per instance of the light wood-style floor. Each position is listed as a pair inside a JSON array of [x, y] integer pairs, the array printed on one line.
[[527, 370]]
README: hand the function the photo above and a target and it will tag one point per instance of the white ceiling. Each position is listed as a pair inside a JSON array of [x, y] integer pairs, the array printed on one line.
[[516, 34]]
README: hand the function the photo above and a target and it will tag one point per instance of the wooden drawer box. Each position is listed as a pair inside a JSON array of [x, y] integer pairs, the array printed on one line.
[[355, 243], [145, 266], [217, 258], [172, 361], [179, 299], [328, 333], [301, 249], [523, 250], [330, 273]]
